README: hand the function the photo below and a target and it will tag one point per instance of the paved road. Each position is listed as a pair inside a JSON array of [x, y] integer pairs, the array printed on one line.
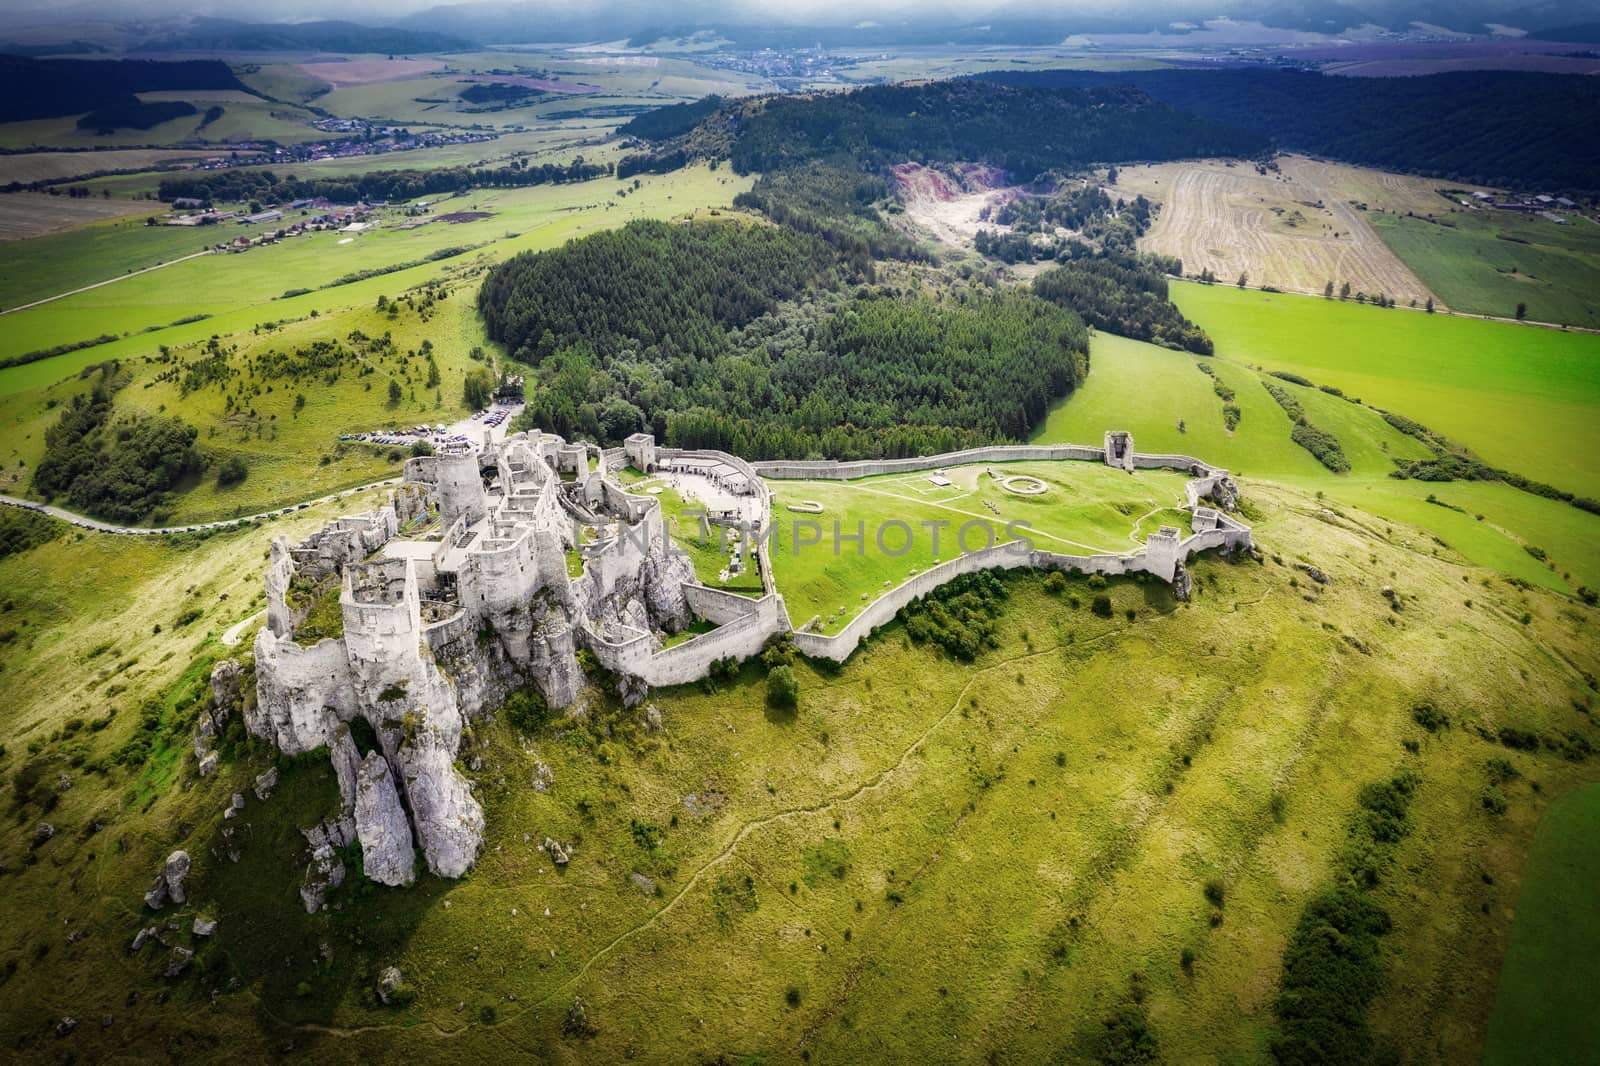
[[85, 522]]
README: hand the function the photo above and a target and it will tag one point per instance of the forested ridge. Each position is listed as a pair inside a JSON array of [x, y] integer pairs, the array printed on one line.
[[239, 184], [1519, 129], [1026, 131], [743, 337], [652, 287], [1126, 295]]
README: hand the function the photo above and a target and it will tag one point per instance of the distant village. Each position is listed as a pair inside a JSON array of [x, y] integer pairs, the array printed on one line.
[[1542, 204]]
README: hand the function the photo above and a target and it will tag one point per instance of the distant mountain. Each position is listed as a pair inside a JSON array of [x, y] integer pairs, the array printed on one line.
[[1583, 32], [228, 35]]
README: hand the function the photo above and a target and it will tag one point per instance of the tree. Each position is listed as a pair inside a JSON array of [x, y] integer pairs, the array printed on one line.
[[1522, 311], [1327, 290], [478, 388], [232, 471], [1111, 176], [1429, 307], [394, 392], [783, 688], [1344, 291], [1243, 278]]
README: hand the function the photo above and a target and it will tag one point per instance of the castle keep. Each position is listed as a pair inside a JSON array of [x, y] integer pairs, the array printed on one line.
[[490, 570]]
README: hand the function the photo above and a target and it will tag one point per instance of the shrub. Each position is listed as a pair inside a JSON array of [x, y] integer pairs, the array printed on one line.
[[783, 688], [1215, 892], [1430, 717], [791, 996], [1101, 605], [232, 471], [1493, 800], [1056, 583], [526, 710], [1519, 739]]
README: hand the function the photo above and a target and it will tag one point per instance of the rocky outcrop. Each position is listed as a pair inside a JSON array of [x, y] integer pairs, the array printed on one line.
[[227, 683], [381, 825], [448, 820], [325, 872], [558, 854], [168, 885], [1182, 584], [390, 981]]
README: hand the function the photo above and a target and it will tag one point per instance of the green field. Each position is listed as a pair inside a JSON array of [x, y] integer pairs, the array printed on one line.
[[1520, 397], [1088, 508], [1543, 1007], [522, 219], [1148, 390], [1486, 262]]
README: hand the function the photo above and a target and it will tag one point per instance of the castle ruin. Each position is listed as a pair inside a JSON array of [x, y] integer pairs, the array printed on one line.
[[490, 570]]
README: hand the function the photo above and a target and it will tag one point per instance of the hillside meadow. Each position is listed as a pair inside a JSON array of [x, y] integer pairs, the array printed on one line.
[[990, 857], [1151, 390], [1521, 397]]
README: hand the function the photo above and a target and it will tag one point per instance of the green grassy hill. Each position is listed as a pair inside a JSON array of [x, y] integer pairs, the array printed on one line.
[[926, 855]]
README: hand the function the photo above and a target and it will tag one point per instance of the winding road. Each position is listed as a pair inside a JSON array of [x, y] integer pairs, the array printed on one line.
[[85, 522]]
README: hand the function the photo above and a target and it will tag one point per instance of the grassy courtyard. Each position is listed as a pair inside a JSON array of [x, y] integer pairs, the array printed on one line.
[[1086, 509]]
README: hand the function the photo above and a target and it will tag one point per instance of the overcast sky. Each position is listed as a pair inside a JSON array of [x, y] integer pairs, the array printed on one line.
[[832, 12]]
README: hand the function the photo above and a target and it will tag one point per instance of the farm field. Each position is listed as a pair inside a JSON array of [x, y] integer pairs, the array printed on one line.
[[1520, 397], [1148, 390], [522, 219], [45, 166], [1486, 262], [1087, 508], [838, 880], [1295, 229], [35, 214], [1540, 1010], [244, 119]]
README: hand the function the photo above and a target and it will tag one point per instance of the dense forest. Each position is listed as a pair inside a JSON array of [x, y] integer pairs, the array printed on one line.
[[1025, 131], [1513, 128], [1126, 295], [835, 203], [131, 113], [239, 184], [47, 88], [663, 291], [122, 470], [675, 120], [742, 337]]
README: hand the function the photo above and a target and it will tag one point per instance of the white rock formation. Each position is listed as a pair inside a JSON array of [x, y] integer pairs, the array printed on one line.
[[381, 825]]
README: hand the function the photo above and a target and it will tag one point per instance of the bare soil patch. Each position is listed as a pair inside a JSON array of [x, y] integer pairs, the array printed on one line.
[[950, 205], [34, 214], [342, 74]]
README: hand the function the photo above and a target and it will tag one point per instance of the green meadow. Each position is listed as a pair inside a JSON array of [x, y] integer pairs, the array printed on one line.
[[1543, 1010], [1150, 390], [1521, 397], [979, 855], [1486, 262], [522, 220], [1087, 508]]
